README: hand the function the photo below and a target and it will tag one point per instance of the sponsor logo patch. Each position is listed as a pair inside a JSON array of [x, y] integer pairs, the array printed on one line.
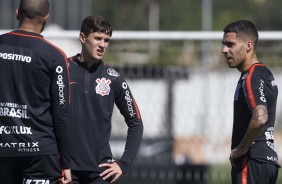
[[129, 100], [15, 130], [15, 57], [61, 85], [13, 110], [261, 90], [36, 181], [113, 72], [273, 83], [21, 146], [103, 86], [244, 76]]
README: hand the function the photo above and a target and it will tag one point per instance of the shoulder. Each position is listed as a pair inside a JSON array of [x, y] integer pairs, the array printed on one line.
[[110, 71], [49, 50], [56, 50], [262, 71], [71, 59], [257, 70]]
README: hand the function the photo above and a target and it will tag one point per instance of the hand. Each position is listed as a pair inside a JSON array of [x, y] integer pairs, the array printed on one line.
[[66, 176], [235, 153], [113, 170]]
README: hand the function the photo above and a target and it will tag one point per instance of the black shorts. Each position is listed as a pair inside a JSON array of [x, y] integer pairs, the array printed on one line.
[[30, 170], [250, 171], [87, 177]]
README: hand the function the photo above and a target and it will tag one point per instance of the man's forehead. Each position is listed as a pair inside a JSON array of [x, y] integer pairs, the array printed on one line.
[[100, 34], [230, 36]]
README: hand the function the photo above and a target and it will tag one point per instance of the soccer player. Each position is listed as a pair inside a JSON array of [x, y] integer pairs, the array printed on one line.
[[95, 88], [252, 156], [34, 101]]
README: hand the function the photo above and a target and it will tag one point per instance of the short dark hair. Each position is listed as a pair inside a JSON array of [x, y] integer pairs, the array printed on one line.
[[96, 23], [244, 29], [33, 8]]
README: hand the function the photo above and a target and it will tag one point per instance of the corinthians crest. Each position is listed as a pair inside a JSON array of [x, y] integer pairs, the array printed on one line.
[[103, 86]]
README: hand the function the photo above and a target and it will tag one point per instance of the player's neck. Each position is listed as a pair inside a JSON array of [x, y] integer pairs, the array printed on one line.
[[89, 62], [30, 28], [248, 62]]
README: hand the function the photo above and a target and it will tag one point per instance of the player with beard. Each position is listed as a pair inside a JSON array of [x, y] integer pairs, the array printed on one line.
[[252, 156]]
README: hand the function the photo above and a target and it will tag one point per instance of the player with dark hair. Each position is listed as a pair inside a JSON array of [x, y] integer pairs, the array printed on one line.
[[252, 155], [34, 102], [95, 88]]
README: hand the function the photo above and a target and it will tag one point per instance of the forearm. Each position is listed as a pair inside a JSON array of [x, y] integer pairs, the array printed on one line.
[[133, 141], [63, 140], [255, 128]]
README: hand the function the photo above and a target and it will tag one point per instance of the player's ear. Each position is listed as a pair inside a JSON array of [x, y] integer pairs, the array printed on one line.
[[82, 37], [17, 14], [46, 18], [249, 46]]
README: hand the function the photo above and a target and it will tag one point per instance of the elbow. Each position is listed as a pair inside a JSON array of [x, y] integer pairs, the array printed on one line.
[[260, 116], [265, 119], [262, 121]]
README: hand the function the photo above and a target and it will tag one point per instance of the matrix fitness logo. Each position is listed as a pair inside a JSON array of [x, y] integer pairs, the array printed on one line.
[[24, 147], [103, 86]]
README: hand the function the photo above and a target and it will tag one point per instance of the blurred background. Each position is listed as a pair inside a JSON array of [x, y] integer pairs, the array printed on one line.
[[170, 54]]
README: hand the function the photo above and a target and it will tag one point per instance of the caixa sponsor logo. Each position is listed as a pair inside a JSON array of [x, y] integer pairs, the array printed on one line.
[[60, 84], [128, 99], [261, 90], [36, 181]]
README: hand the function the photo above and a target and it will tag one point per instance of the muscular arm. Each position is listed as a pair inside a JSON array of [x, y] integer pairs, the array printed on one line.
[[256, 125]]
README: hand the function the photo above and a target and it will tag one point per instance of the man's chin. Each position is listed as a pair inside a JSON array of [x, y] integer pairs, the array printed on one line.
[[231, 66]]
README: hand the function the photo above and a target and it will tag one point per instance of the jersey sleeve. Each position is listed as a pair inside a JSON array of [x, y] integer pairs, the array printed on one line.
[[60, 106], [129, 109], [255, 90]]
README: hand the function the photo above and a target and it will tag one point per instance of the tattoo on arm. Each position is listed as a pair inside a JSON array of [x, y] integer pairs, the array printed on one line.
[[259, 115], [259, 112]]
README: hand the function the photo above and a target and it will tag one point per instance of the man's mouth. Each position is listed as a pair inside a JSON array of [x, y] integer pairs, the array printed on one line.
[[100, 51]]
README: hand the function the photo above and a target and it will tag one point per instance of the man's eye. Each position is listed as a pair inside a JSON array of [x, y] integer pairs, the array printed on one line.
[[229, 44]]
